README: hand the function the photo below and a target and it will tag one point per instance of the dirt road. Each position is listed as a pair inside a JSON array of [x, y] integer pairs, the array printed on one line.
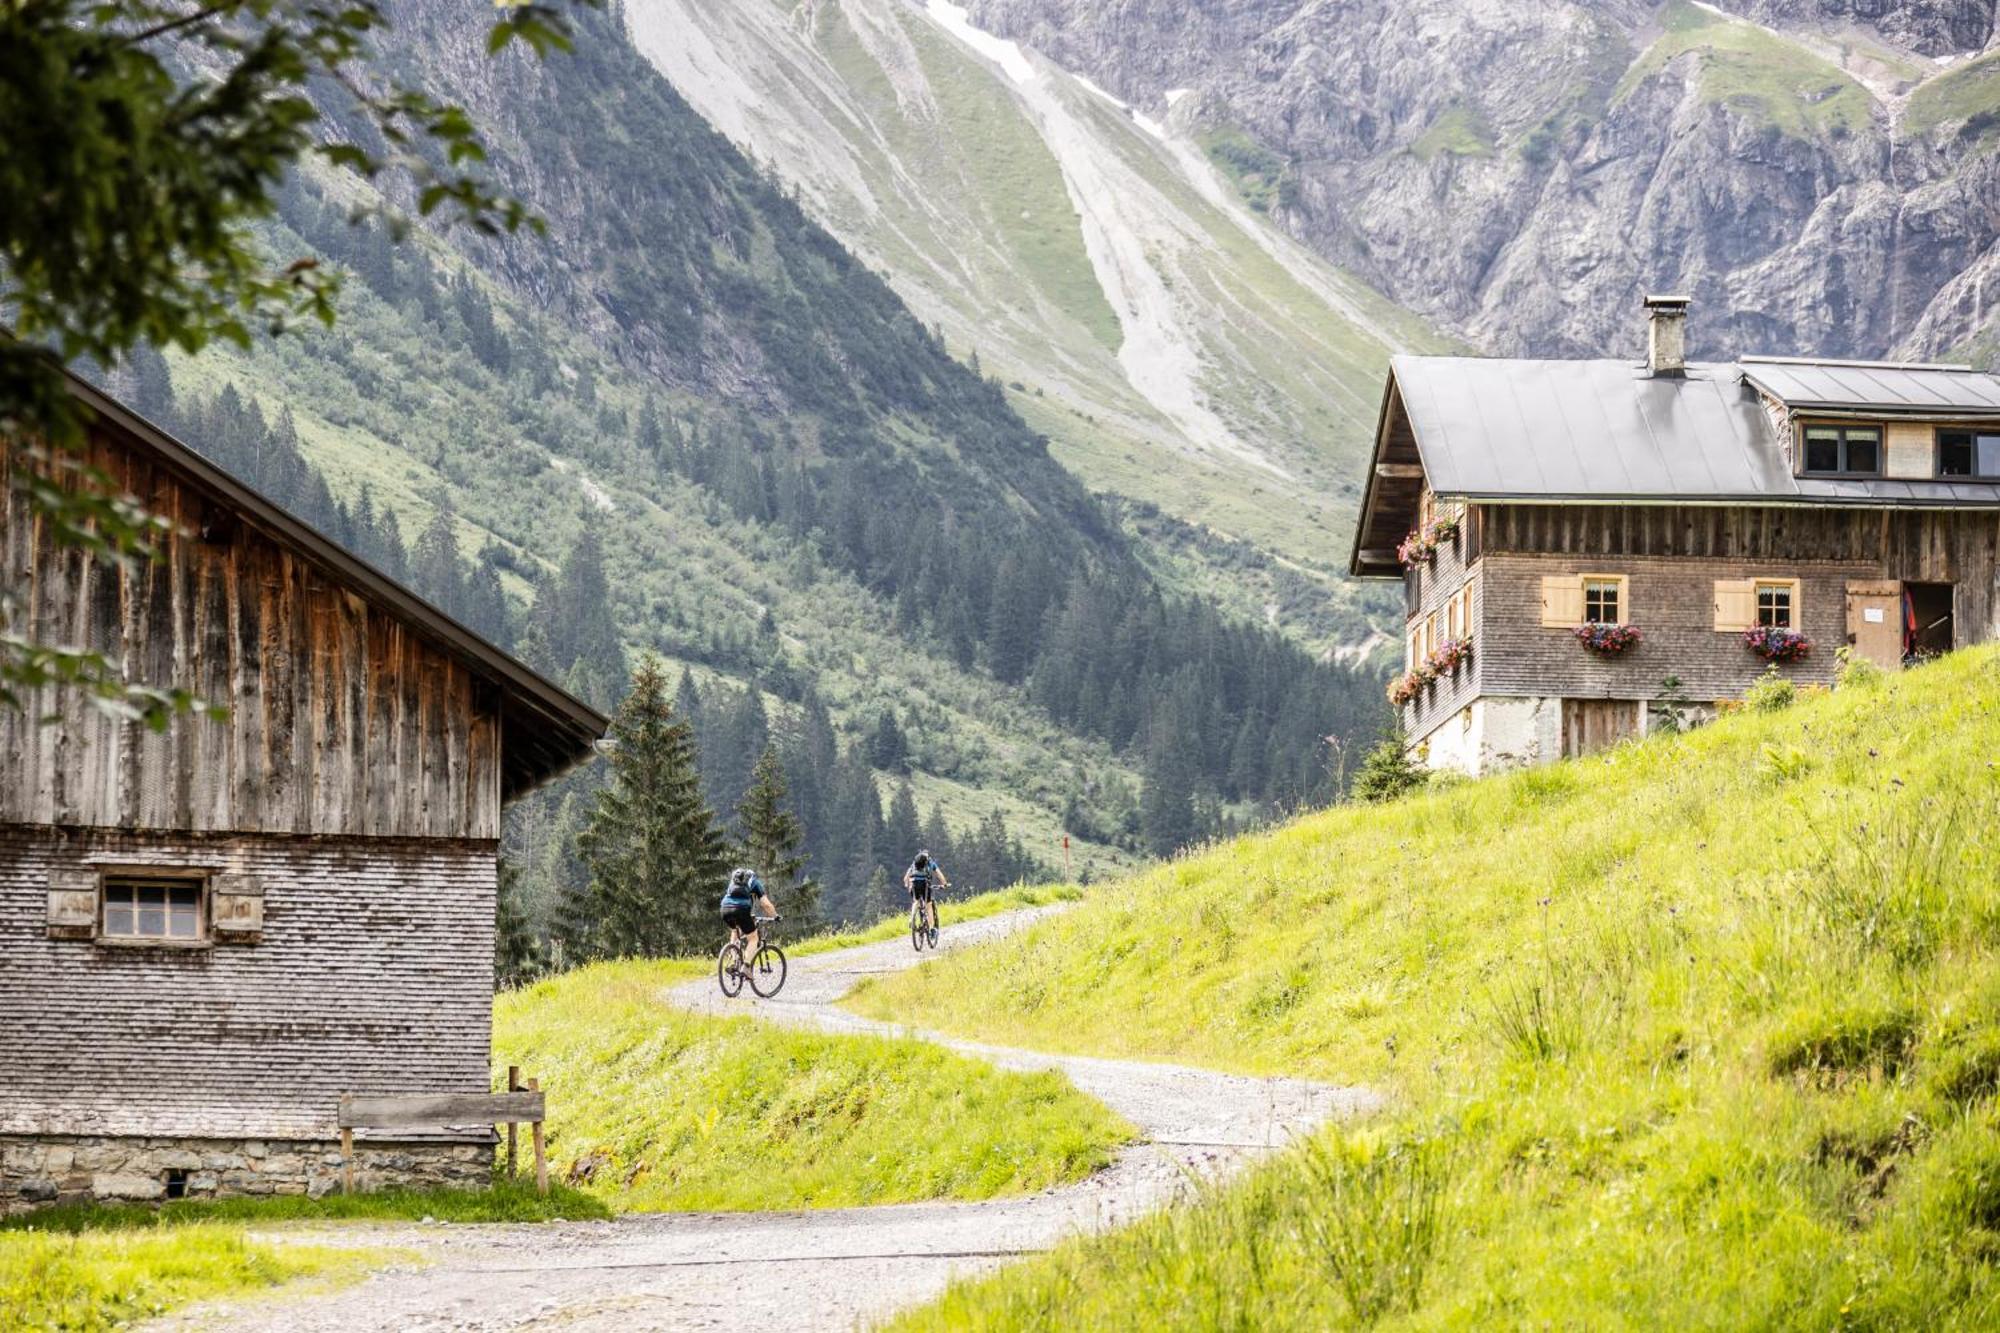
[[818, 1270]]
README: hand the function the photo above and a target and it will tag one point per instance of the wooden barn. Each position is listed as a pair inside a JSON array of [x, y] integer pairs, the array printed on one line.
[[1570, 534], [209, 935]]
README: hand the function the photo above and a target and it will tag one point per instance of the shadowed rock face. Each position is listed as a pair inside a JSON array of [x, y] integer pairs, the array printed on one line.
[[1820, 174]]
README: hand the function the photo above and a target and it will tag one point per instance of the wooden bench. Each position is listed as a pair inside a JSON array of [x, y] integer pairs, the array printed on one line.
[[519, 1105]]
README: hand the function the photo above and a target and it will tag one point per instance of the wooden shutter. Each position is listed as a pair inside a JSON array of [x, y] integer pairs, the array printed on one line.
[[236, 908], [1798, 604], [1562, 600], [72, 904], [1735, 604]]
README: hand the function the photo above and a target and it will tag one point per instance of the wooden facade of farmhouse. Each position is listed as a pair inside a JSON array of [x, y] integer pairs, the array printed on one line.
[[209, 934], [1692, 504]]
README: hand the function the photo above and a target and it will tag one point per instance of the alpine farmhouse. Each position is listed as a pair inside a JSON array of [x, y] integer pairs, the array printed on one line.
[[209, 935], [1569, 534]]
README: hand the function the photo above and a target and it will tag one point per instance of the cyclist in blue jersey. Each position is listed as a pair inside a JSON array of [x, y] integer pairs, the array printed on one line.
[[923, 874], [743, 900]]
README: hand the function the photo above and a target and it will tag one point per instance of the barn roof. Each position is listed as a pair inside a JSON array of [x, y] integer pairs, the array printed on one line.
[[1545, 431], [544, 729]]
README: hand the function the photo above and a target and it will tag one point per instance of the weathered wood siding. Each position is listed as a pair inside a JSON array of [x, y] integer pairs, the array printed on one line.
[[343, 719], [372, 976], [1434, 583], [1674, 555]]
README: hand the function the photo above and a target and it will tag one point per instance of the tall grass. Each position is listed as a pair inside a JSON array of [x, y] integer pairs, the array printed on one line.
[[1374, 1214], [659, 1109], [112, 1279], [1716, 1034]]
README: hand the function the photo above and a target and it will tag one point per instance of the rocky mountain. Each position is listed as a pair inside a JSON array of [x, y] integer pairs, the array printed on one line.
[[1822, 175], [1179, 351]]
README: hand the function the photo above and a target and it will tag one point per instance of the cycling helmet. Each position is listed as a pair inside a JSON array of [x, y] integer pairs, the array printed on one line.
[[923, 860], [741, 875]]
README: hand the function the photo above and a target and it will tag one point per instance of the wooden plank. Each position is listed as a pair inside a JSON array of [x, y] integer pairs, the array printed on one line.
[[541, 1145], [436, 1110]]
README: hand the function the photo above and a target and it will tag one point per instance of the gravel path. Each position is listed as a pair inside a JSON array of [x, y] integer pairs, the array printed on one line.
[[818, 1270]]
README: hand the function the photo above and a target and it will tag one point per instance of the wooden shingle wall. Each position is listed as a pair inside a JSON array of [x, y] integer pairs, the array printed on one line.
[[372, 975], [343, 719]]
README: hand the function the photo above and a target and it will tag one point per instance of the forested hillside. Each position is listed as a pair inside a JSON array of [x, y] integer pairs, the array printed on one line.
[[686, 422]]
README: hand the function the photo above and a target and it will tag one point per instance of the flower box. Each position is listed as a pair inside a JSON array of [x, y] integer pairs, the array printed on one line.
[[1777, 645], [1447, 657], [1422, 544], [1608, 640]]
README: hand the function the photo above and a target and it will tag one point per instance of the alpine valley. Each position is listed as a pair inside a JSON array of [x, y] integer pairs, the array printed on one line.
[[968, 404]]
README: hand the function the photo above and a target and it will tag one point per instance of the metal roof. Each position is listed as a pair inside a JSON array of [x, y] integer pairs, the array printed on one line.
[[545, 730], [1494, 428], [1876, 386]]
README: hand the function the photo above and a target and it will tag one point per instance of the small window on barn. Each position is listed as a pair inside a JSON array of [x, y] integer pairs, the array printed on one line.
[[1603, 600], [1969, 453], [1776, 603], [154, 908], [1849, 451]]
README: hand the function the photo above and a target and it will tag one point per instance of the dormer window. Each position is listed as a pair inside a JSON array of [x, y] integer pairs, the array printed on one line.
[[1973, 454], [1844, 451]]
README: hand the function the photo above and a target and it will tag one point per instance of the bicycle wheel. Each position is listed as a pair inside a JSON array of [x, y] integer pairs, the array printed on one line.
[[729, 969], [767, 971], [932, 932], [917, 927]]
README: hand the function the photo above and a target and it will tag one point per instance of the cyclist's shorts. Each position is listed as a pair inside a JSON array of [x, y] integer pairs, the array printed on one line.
[[920, 889], [740, 917]]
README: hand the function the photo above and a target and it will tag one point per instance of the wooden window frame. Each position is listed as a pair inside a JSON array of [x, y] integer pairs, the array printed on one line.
[[1843, 428], [110, 875], [1791, 589], [1622, 583], [1937, 452]]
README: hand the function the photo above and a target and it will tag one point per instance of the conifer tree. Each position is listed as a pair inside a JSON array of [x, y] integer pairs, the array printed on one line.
[[516, 957], [771, 838], [655, 856]]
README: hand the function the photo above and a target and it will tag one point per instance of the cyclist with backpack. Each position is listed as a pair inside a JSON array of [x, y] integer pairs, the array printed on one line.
[[923, 872], [743, 900]]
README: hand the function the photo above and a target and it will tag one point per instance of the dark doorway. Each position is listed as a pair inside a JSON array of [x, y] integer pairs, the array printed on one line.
[[1927, 626]]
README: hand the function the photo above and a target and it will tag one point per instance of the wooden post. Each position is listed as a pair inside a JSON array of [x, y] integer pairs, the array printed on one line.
[[1067, 877], [513, 1085], [541, 1155], [346, 1147]]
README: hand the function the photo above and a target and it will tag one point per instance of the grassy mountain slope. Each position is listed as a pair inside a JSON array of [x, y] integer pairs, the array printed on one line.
[[1176, 348], [1700, 1034]]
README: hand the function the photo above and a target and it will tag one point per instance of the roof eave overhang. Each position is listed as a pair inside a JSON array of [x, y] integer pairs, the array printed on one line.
[[583, 724], [1356, 567], [1760, 501]]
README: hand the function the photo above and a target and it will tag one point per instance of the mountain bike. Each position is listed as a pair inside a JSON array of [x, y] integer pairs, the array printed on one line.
[[765, 971], [923, 932]]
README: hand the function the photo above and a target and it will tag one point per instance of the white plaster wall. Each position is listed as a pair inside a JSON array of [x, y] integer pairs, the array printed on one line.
[[1494, 733]]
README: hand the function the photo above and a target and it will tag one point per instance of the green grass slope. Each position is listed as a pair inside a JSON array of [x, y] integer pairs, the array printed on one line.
[[81, 1283], [1701, 1034], [661, 1109]]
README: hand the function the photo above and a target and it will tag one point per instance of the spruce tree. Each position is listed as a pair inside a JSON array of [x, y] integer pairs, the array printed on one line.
[[771, 837], [516, 956], [655, 856]]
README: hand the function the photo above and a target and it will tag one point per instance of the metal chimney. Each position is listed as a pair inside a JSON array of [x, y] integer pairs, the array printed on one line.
[[1666, 335]]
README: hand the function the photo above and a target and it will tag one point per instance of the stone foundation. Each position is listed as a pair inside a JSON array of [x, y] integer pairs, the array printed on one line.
[[37, 1169]]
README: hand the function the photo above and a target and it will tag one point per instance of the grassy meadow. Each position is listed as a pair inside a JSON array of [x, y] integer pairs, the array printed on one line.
[[1704, 1033], [664, 1110]]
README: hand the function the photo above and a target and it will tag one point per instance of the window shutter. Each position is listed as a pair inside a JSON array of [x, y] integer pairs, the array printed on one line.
[[1735, 604], [1798, 605], [236, 908], [72, 904], [1562, 600]]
